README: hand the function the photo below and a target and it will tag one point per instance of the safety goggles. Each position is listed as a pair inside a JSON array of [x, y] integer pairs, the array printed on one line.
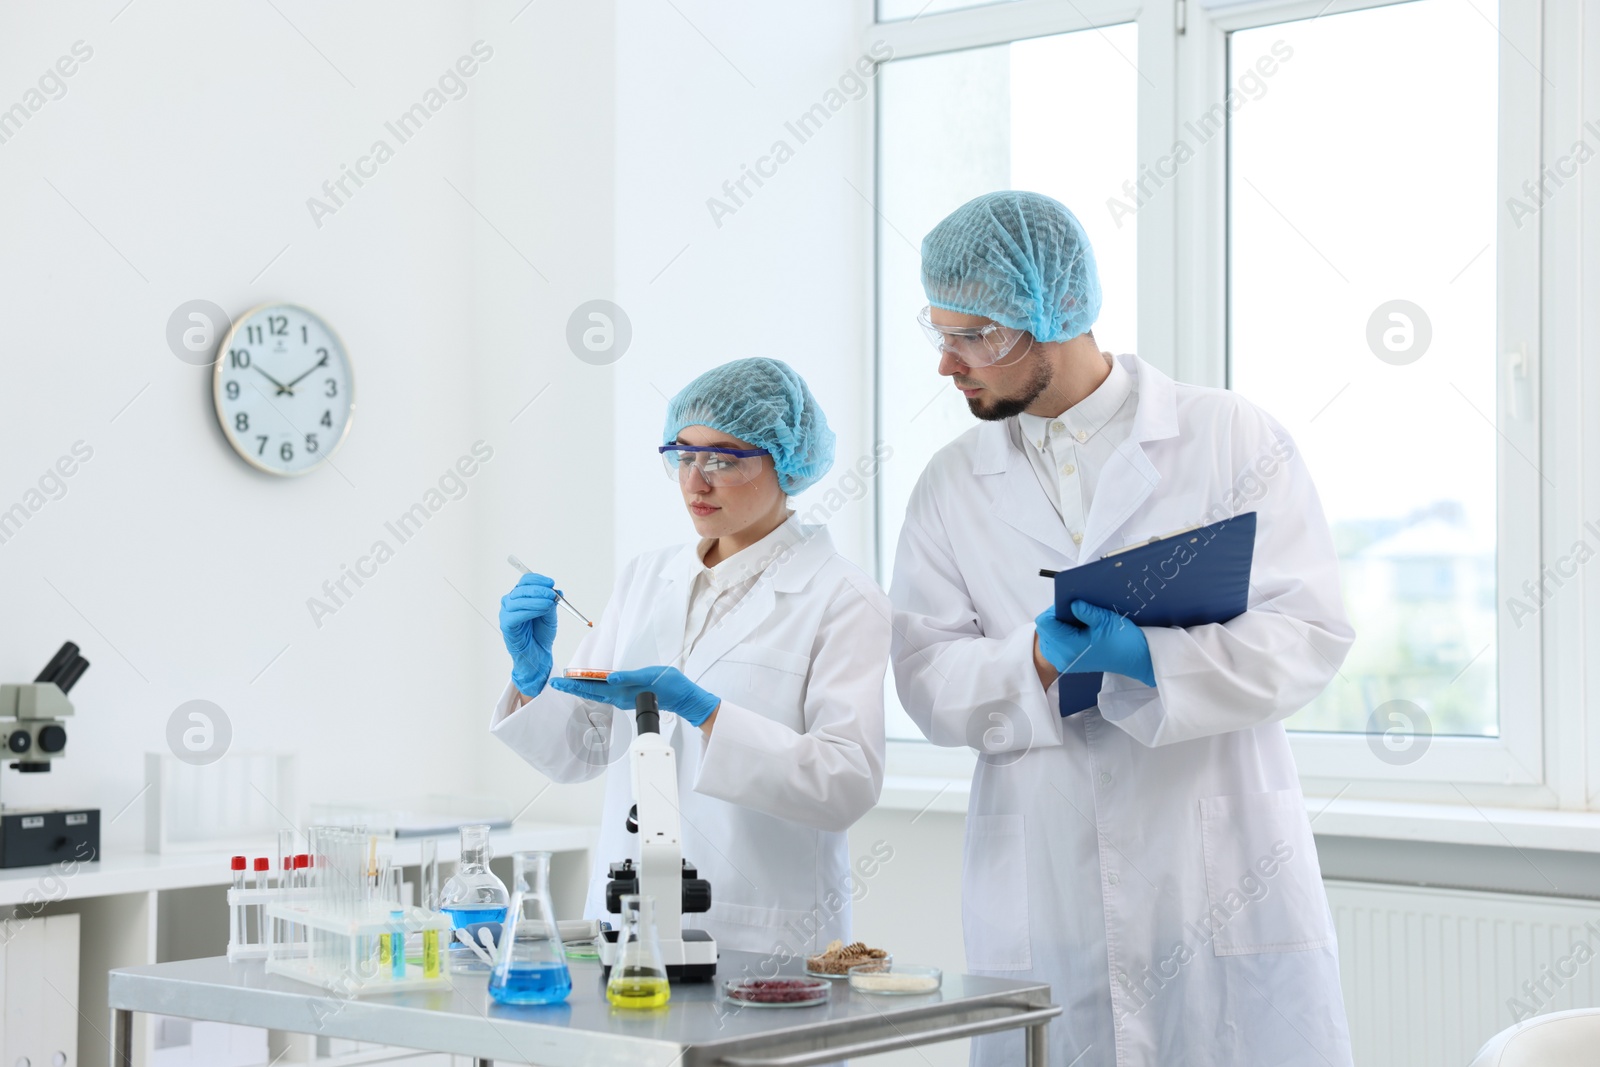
[[718, 467], [974, 346]]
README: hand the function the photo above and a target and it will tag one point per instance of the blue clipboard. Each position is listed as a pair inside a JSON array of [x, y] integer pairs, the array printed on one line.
[[1191, 578]]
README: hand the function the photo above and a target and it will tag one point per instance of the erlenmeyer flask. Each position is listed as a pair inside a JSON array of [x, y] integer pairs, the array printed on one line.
[[638, 975], [530, 966], [472, 895]]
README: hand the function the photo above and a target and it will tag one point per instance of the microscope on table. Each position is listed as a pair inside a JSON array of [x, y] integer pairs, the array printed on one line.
[[32, 733], [662, 872]]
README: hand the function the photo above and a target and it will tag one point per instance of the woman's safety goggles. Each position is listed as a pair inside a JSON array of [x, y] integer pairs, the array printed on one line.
[[718, 467], [974, 346]]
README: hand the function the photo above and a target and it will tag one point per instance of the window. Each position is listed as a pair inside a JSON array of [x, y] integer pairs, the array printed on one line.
[[958, 124], [1350, 235], [1362, 255]]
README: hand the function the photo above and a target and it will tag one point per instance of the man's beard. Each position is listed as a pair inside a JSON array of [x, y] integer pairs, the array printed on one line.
[[1007, 406]]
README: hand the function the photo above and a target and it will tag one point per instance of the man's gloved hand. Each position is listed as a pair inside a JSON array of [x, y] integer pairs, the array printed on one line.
[[528, 626], [1107, 642], [673, 691]]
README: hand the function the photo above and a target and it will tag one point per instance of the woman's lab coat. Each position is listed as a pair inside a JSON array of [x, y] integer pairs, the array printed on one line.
[[1150, 858], [794, 758]]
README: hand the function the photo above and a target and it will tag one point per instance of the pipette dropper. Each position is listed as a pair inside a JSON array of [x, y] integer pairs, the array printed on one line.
[[525, 569]]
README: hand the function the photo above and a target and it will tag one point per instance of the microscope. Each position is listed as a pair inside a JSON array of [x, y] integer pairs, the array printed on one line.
[[662, 872], [31, 731]]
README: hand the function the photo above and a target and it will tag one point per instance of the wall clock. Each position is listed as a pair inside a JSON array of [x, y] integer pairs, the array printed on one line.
[[283, 389]]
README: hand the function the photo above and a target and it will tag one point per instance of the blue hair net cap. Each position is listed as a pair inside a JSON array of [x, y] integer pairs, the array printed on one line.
[[1021, 259], [765, 402]]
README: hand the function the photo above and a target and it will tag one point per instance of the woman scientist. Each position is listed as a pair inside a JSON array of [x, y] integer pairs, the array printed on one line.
[[766, 650]]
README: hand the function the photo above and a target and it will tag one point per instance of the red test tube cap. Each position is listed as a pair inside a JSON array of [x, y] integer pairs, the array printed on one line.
[[238, 863], [262, 863]]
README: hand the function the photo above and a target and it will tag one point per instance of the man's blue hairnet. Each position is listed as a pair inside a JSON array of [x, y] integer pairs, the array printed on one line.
[[765, 402], [1021, 259]]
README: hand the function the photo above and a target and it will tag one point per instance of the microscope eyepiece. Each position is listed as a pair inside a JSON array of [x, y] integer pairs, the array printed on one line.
[[647, 714]]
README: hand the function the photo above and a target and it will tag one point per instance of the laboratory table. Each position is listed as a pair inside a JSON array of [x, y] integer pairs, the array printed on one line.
[[697, 1028]]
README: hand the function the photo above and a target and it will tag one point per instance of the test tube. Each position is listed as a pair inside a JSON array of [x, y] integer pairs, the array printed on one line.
[[428, 874], [302, 876], [235, 910], [376, 881], [428, 888], [398, 914], [263, 867], [284, 864], [285, 855]]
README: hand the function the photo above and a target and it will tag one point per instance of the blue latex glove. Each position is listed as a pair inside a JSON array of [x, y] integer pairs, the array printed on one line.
[[528, 625], [673, 691], [1107, 642]]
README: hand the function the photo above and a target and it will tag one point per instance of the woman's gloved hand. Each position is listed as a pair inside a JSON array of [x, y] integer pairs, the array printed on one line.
[[528, 625], [673, 691], [1107, 642]]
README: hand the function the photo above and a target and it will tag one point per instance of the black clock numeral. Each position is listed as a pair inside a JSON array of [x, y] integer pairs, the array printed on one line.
[[286, 453], [232, 389], [239, 358], [327, 419], [305, 340], [241, 422], [253, 334], [263, 449], [311, 442], [278, 325], [333, 387]]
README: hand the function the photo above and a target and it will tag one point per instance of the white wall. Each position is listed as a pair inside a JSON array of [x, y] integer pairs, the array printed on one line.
[[177, 165], [704, 90]]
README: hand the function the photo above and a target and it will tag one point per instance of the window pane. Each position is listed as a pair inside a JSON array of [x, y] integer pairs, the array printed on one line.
[[957, 125], [1362, 315]]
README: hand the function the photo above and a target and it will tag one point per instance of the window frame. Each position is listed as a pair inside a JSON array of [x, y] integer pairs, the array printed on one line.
[[1182, 324], [1515, 757]]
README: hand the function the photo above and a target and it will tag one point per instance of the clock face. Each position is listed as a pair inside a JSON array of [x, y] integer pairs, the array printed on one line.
[[283, 389]]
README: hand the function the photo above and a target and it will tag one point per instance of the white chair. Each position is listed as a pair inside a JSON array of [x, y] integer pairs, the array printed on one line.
[[1560, 1039]]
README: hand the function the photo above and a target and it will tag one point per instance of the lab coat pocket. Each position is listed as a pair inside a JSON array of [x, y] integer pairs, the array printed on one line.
[[994, 897], [768, 680], [1263, 883]]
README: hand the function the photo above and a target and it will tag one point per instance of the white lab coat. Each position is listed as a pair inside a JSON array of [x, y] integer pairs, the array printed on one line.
[[794, 758], [1150, 858]]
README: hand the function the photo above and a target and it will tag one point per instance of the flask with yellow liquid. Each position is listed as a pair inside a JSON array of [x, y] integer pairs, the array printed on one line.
[[638, 974]]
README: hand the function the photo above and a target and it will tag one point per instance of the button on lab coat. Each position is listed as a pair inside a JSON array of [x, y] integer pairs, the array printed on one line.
[[1150, 858], [794, 758]]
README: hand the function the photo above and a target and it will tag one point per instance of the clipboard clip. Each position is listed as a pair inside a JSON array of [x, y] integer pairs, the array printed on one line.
[[1043, 573]]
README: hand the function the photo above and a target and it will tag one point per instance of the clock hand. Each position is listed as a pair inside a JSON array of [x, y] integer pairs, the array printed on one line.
[[281, 387], [323, 362]]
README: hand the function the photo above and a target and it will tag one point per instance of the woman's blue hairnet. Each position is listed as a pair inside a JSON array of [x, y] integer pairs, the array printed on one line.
[[765, 402], [1021, 259]]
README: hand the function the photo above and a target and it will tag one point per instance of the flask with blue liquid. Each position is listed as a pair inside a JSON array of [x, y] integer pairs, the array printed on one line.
[[531, 965], [472, 895]]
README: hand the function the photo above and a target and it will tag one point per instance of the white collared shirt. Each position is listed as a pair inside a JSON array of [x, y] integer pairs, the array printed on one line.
[[718, 590], [1069, 451]]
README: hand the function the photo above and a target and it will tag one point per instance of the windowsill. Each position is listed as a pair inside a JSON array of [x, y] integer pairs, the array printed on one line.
[[1392, 820], [947, 796]]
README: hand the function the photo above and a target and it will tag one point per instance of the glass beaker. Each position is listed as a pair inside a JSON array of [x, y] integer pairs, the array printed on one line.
[[472, 895], [638, 974], [530, 966]]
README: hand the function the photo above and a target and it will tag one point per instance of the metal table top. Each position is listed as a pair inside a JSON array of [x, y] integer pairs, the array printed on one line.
[[696, 1028]]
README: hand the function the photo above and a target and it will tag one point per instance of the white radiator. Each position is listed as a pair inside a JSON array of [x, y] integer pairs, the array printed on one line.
[[1430, 974]]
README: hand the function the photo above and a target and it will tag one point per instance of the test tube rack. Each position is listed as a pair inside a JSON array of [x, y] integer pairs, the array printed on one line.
[[342, 922], [246, 940], [368, 949]]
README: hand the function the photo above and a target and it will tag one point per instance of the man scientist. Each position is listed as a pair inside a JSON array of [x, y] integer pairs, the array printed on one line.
[[1150, 857]]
